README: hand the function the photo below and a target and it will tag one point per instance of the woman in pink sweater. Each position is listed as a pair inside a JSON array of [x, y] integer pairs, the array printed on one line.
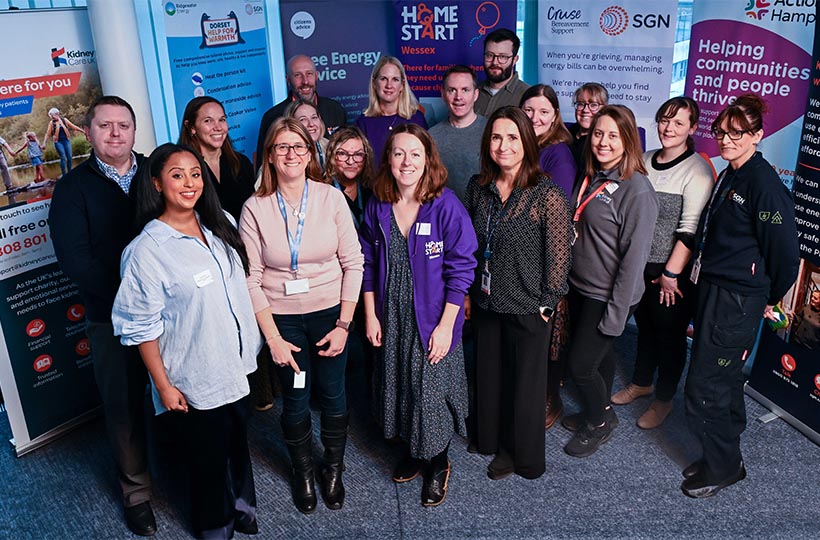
[[304, 280]]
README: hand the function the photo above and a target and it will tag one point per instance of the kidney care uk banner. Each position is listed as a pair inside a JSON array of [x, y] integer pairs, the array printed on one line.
[[46, 370]]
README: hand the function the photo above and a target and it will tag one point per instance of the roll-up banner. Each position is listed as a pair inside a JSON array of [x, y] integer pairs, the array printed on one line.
[[431, 37], [344, 39], [216, 48], [627, 47], [46, 370], [786, 373], [758, 46]]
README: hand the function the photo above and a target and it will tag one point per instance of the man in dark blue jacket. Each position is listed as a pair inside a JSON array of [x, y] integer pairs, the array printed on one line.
[[91, 220]]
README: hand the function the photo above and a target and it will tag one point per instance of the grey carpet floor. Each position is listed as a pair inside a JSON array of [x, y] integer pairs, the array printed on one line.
[[629, 489]]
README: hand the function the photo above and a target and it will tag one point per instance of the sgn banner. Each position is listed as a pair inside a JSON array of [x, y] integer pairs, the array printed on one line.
[[46, 370], [758, 46], [627, 47]]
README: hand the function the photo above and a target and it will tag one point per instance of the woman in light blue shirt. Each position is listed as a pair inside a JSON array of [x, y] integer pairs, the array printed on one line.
[[184, 302]]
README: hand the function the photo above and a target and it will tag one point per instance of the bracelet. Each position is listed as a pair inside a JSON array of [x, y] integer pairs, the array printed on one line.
[[268, 340], [669, 274]]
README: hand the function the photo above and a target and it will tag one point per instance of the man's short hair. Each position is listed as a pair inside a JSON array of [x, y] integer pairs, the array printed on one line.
[[502, 34], [108, 100], [460, 68]]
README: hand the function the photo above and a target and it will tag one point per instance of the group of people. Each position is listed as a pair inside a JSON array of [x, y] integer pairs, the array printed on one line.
[[545, 238]]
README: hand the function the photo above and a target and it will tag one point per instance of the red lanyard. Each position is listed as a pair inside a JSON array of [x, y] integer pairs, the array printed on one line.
[[579, 206]]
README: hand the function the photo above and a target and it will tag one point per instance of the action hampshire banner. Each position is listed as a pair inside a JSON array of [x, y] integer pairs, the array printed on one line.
[[759, 46], [786, 373], [627, 47], [46, 370], [431, 37]]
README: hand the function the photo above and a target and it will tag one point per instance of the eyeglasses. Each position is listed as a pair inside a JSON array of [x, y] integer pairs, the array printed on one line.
[[502, 59], [593, 106], [734, 134], [283, 149], [357, 157]]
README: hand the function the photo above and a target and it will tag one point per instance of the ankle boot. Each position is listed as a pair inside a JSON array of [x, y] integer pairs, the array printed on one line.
[[554, 404], [334, 438], [436, 478], [299, 438]]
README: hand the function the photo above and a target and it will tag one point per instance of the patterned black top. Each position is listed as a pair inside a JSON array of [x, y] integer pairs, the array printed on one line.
[[531, 246]]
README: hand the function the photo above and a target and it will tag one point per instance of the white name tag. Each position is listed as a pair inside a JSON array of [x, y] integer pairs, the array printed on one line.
[[693, 277], [203, 278], [612, 187], [296, 286], [299, 379], [423, 229]]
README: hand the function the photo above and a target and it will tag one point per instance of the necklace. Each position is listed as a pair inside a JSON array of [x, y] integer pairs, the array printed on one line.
[[393, 123], [295, 211]]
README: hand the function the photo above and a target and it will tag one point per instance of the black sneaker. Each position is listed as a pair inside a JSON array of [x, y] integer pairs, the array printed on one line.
[[586, 441], [576, 421]]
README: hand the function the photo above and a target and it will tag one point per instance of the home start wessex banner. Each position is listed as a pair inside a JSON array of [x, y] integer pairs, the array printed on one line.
[[786, 373], [758, 46], [430, 37], [627, 47], [46, 370]]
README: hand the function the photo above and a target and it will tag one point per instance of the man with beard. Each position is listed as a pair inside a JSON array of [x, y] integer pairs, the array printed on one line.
[[301, 77], [502, 86]]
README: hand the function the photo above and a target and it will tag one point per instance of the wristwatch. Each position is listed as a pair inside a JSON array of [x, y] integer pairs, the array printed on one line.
[[345, 325], [546, 311]]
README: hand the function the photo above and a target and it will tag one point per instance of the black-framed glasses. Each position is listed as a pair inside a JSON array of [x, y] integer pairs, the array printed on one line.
[[282, 149], [734, 134], [593, 106], [357, 157], [502, 59]]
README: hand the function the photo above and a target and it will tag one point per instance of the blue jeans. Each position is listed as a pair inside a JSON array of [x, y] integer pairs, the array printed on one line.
[[64, 150], [326, 372]]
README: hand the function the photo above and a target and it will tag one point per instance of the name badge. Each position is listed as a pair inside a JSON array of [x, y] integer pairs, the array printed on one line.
[[612, 187], [693, 277], [203, 278], [485, 279], [299, 379], [423, 229], [297, 286]]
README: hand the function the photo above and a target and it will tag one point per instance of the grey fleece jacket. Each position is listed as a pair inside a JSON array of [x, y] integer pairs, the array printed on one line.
[[614, 239]]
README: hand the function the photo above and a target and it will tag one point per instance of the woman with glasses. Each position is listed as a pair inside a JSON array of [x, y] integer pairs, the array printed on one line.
[[683, 181], [308, 116], [392, 103], [587, 101], [746, 258], [418, 246], [350, 169], [304, 280], [522, 221], [540, 104], [205, 129], [615, 212]]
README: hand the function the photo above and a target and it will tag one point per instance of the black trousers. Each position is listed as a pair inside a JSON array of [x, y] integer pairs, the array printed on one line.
[[511, 387], [215, 442], [121, 379], [662, 335], [591, 365], [726, 326]]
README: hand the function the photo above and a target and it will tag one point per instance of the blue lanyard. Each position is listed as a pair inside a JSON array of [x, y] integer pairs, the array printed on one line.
[[321, 155], [490, 232], [294, 243]]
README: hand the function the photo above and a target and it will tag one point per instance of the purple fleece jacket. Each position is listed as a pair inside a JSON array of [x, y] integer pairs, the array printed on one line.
[[442, 262]]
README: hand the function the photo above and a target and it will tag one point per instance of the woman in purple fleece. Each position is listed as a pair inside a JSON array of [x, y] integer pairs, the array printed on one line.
[[419, 247]]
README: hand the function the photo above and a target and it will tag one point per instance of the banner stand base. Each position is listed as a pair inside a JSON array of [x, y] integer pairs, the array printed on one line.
[[768, 417], [55, 433], [781, 413]]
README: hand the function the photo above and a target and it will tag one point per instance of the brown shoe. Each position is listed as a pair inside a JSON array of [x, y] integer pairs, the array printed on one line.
[[631, 393], [555, 407], [655, 415]]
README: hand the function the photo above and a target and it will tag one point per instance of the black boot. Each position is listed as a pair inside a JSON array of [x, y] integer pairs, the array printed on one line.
[[299, 439], [334, 438], [436, 478]]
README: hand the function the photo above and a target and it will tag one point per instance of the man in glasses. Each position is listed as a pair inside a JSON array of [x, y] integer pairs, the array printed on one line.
[[501, 86], [587, 101], [459, 137]]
